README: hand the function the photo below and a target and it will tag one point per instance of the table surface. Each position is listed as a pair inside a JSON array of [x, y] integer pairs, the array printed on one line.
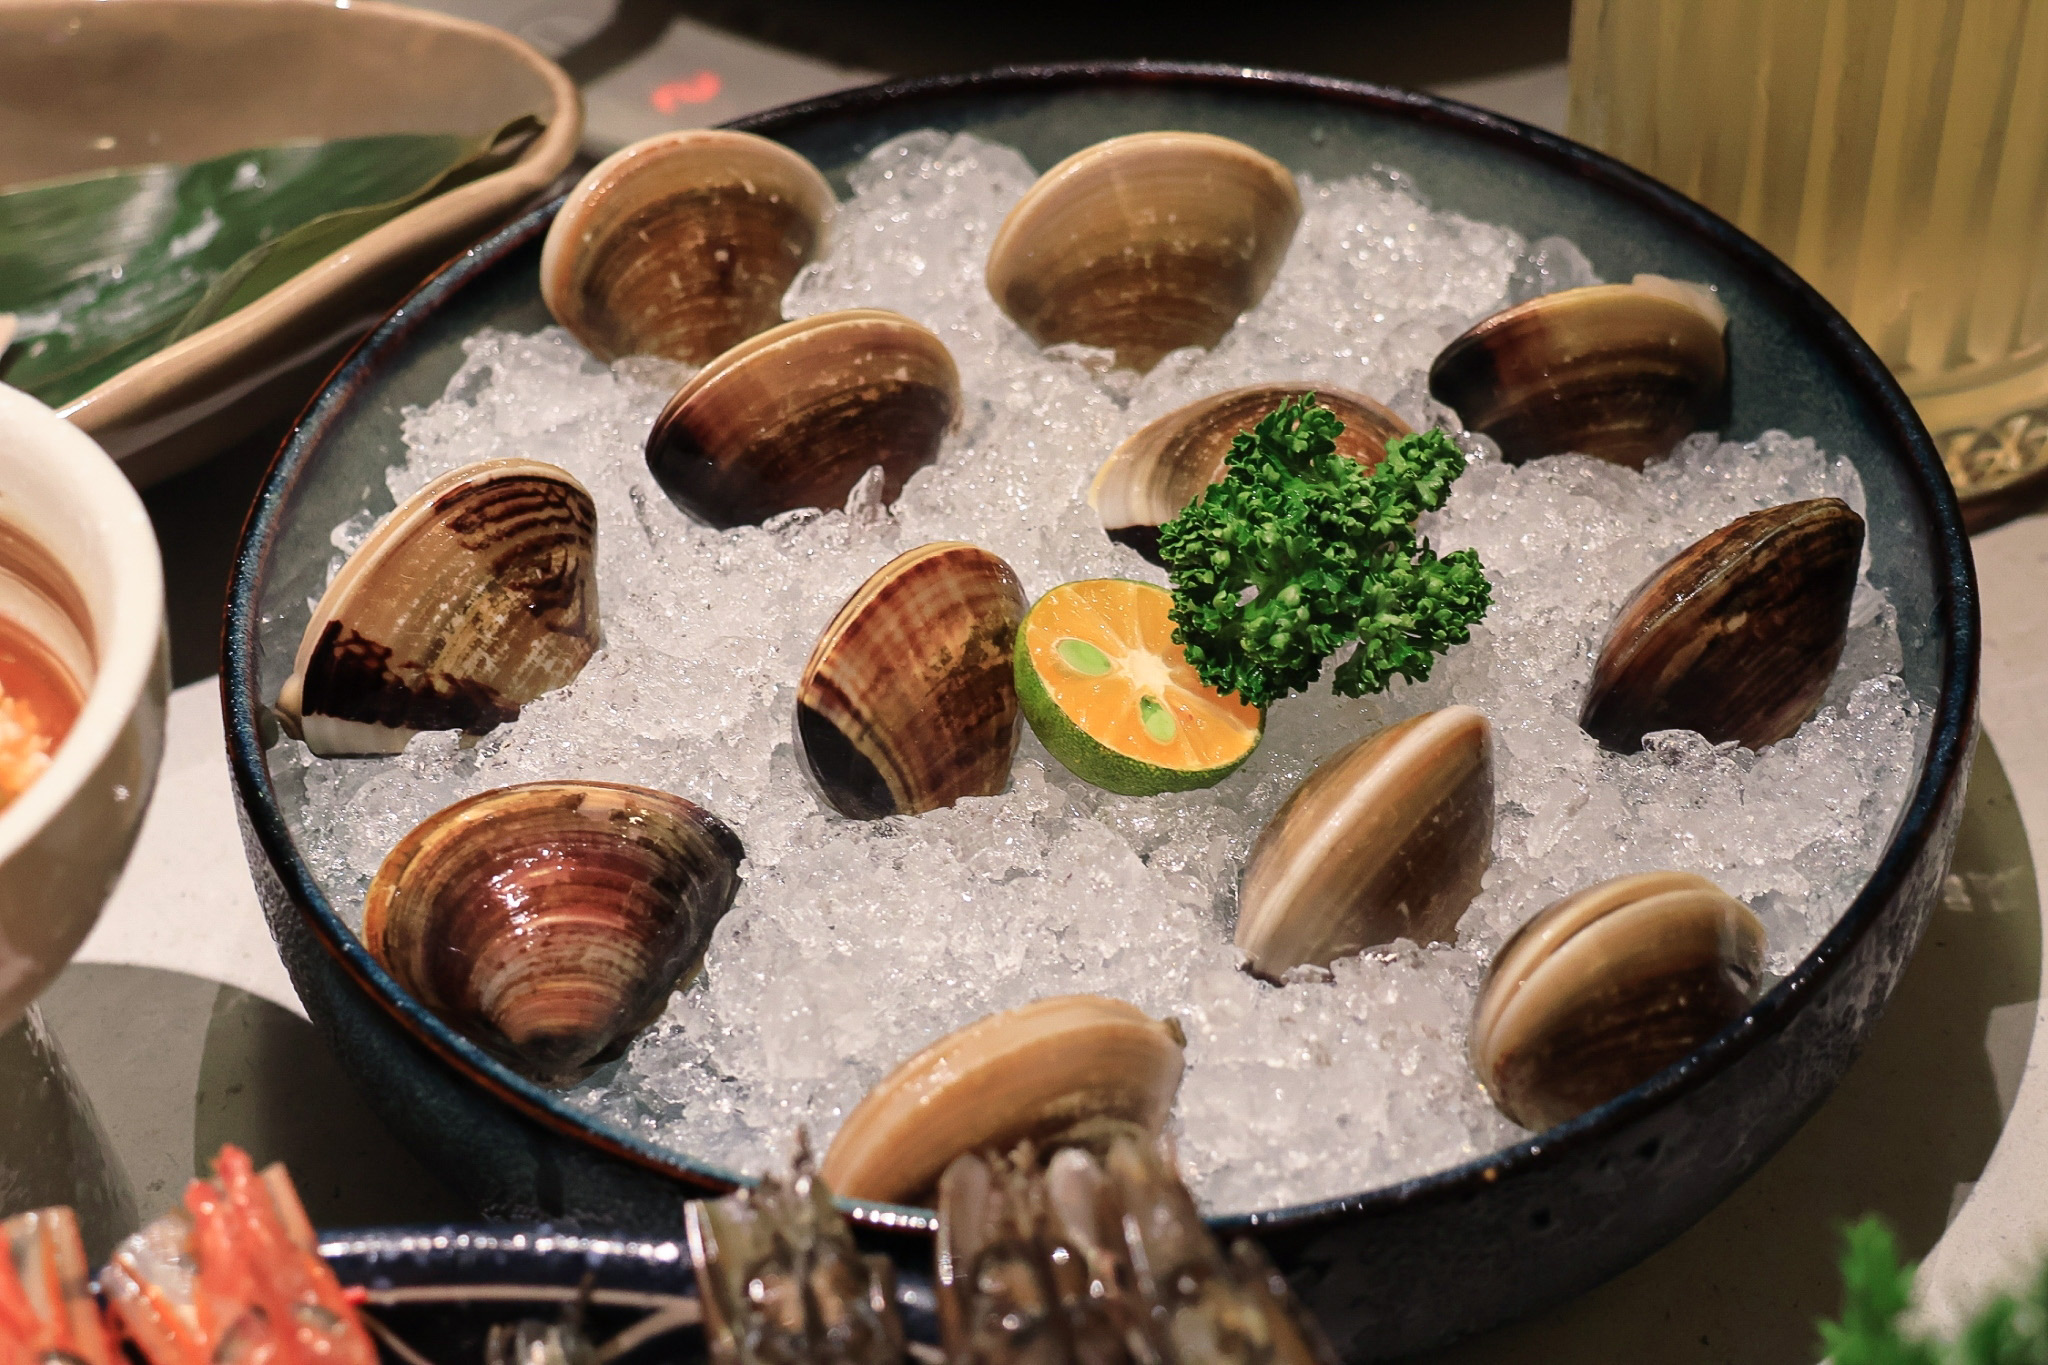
[[179, 1024]]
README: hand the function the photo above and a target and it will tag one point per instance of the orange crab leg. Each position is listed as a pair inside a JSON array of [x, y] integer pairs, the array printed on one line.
[[57, 1325], [18, 1326], [265, 1257], [181, 1343], [312, 1321]]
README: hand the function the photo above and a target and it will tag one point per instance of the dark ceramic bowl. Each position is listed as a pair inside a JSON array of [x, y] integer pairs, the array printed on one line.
[[440, 1291], [1390, 1269]]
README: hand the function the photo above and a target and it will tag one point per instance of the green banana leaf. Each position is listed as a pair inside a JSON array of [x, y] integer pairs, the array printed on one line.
[[103, 269]]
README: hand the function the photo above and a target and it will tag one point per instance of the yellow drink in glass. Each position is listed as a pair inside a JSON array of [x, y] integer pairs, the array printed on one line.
[[1894, 152]]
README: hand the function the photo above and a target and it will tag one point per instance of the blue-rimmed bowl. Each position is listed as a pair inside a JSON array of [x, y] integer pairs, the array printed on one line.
[[439, 1291], [1388, 1269]]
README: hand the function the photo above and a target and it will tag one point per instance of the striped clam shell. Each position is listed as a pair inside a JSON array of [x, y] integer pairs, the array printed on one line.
[[1607, 987], [682, 244], [1164, 465], [1028, 1074], [1144, 244], [909, 700], [1621, 372], [1386, 839], [795, 416], [1736, 636], [549, 922], [478, 594]]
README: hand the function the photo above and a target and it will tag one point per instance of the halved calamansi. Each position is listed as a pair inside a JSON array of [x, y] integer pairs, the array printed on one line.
[[1112, 697]]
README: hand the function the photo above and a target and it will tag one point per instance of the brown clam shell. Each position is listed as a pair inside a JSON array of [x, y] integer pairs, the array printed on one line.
[[1027, 1074], [1621, 372], [1386, 839], [1607, 987], [683, 244], [1144, 244], [478, 594], [549, 922], [1164, 465], [793, 417], [909, 699], [1736, 636]]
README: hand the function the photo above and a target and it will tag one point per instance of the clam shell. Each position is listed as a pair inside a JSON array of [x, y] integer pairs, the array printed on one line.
[[683, 244], [1386, 839], [549, 922], [1164, 465], [1607, 987], [1621, 372], [793, 417], [1144, 244], [1030, 1073], [909, 699], [1737, 636], [478, 594]]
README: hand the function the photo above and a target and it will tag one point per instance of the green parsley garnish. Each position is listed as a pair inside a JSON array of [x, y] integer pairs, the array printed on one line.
[[1876, 1290], [1296, 551]]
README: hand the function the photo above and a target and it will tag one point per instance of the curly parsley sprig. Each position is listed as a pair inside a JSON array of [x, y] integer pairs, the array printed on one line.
[[1877, 1290], [1297, 551]]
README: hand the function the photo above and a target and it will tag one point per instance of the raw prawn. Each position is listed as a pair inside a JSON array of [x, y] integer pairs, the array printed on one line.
[[235, 1279], [47, 1312]]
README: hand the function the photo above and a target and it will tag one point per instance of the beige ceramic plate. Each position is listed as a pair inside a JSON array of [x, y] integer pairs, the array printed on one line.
[[93, 84]]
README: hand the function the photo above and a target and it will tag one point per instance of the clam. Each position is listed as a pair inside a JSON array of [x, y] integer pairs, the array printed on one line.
[[1144, 244], [682, 244], [909, 699], [781, 1280], [478, 594], [1736, 636], [1033, 1073], [1607, 987], [793, 417], [1620, 372], [548, 922], [1386, 839], [1164, 465]]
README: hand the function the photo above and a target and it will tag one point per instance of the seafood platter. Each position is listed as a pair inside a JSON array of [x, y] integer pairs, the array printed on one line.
[[1366, 654]]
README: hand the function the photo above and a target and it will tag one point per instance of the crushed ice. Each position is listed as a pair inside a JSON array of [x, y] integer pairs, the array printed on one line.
[[853, 944]]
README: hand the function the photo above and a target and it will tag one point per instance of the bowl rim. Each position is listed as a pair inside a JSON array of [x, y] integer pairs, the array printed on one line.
[[127, 641], [119, 401], [1950, 562]]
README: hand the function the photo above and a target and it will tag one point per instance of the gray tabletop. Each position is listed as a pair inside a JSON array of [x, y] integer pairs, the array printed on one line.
[[178, 1029]]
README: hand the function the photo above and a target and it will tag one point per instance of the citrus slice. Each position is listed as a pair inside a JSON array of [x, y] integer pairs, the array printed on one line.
[[1110, 694]]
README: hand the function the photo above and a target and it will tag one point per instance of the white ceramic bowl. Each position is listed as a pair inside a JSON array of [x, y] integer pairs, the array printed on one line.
[[64, 839]]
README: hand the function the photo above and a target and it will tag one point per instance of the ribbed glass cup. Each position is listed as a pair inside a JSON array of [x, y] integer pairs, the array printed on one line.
[[1894, 152]]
